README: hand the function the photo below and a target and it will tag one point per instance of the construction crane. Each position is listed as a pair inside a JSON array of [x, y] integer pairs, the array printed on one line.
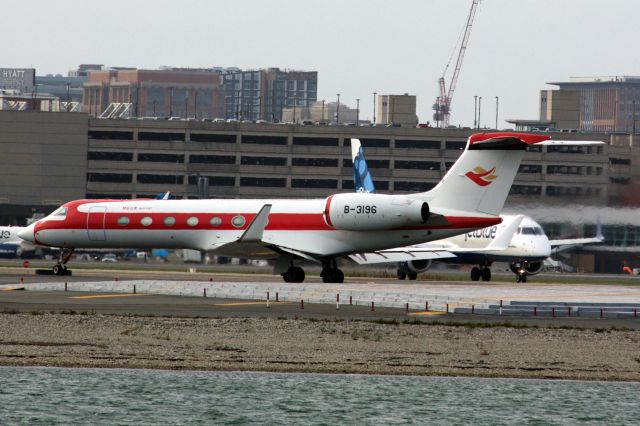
[[442, 106]]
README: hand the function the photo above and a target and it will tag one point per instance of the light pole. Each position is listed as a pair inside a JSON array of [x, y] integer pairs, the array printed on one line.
[[295, 98], [479, 109], [357, 112], [496, 113], [68, 98], [475, 111], [322, 119], [195, 104], [170, 102], [338, 110], [374, 107]]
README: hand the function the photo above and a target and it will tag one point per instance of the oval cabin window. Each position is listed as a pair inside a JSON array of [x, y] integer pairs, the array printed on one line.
[[238, 221]]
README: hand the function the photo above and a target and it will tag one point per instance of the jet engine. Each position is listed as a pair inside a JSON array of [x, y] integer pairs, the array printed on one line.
[[366, 212], [532, 268], [418, 266]]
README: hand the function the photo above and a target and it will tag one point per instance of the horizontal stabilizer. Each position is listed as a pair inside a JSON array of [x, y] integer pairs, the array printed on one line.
[[577, 143]]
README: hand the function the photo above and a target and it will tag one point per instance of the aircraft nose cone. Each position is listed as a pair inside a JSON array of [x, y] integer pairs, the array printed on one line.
[[27, 234]]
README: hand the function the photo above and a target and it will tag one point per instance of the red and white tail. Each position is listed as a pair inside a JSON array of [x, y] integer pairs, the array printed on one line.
[[479, 182]]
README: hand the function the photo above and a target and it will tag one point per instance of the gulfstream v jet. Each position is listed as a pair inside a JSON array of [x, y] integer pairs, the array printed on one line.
[[470, 196]]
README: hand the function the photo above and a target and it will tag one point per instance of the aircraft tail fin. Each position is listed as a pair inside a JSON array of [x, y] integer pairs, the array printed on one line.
[[362, 180], [479, 182]]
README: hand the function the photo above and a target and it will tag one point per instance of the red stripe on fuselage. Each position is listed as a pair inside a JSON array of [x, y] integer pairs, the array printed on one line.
[[277, 221]]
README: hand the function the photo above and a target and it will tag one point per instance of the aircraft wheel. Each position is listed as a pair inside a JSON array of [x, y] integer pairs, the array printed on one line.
[[475, 274], [401, 274], [486, 274], [58, 269], [297, 274], [332, 275], [412, 276]]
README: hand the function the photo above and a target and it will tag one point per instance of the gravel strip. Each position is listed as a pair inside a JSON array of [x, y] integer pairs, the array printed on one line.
[[306, 345]]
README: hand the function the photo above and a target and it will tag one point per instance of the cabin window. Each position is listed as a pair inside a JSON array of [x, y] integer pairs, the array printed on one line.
[[123, 221], [192, 221], [146, 221], [238, 221], [169, 221], [215, 221]]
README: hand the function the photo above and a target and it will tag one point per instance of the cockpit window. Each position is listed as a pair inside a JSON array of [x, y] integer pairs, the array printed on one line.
[[61, 212], [528, 231]]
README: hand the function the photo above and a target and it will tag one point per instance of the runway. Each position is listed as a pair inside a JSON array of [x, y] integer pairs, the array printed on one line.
[[163, 293]]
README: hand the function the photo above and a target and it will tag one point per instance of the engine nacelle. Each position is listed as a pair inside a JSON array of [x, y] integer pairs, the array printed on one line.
[[417, 266], [532, 268], [366, 212]]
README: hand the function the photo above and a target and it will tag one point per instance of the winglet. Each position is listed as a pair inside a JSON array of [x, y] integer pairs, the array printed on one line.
[[254, 231], [501, 242], [599, 234]]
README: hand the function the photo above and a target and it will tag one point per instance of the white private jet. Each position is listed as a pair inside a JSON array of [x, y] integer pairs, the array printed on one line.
[[518, 240], [469, 197]]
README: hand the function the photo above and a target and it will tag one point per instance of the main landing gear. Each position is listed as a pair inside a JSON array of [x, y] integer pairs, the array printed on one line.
[[60, 268], [481, 272], [330, 272], [403, 275], [294, 274]]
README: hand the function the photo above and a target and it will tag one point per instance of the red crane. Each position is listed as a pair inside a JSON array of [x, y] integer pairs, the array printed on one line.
[[442, 106]]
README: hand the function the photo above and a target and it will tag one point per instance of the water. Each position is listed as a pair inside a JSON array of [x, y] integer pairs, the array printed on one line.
[[33, 395]]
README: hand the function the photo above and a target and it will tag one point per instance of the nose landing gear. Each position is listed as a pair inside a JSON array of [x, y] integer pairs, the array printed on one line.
[[60, 268], [520, 269]]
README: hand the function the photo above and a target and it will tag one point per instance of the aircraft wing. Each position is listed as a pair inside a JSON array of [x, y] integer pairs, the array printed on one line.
[[560, 245], [400, 255]]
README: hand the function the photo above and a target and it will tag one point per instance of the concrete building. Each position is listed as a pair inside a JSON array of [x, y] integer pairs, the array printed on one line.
[[21, 79], [50, 158], [263, 94], [590, 104], [606, 103], [154, 93], [43, 162], [399, 110], [560, 108]]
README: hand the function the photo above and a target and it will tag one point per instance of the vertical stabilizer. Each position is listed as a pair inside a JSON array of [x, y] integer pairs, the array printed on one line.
[[362, 180], [479, 182]]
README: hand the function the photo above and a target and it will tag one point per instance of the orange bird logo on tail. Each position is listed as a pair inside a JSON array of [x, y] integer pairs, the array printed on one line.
[[482, 177]]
